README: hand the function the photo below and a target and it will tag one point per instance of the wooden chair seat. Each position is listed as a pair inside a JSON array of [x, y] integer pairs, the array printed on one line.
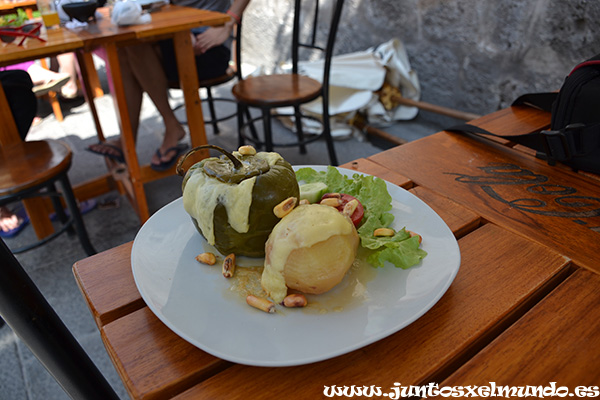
[[277, 90], [24, 165], [31, 169]]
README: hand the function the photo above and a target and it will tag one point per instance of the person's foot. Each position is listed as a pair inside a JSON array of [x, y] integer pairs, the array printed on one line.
[[8, 220], [45, 80], [110, 150], [70, 91], [168, 158], [10, 223], [169, 148]]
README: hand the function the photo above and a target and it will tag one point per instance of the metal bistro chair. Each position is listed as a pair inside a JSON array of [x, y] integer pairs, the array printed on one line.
[[31, 169], [284, 90]]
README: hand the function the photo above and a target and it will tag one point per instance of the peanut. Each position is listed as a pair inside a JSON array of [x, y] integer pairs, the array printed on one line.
[[206, 258], [295, 300], [229, 266], [383, 232], [331, 201], [260, 303], [247, 150], [350, 207], [285, 207], [415, 234]]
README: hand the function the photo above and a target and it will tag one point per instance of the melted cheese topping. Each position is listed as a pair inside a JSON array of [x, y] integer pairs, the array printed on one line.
[[202, 194], [304, 227]]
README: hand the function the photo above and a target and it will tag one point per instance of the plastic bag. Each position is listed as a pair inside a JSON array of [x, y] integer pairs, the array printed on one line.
[[354, 79], [129, 13]]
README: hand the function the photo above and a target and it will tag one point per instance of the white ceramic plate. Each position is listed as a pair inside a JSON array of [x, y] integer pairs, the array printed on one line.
[[194, 300]]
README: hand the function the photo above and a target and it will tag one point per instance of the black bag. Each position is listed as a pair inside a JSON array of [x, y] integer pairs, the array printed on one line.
[[574, 135]]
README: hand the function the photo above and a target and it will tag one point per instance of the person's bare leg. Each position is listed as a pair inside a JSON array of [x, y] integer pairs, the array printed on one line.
[[40, 75], [133, 97], [154, 82], [68, 65]]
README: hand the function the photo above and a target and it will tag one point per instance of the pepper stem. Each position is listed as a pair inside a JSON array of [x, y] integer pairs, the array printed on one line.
[[237, 164]]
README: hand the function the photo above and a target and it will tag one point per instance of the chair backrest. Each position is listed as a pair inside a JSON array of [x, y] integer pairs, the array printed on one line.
[[310, 17], [310, 41]]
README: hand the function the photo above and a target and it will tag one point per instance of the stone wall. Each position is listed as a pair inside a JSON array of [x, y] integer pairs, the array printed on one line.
[[471, 55]]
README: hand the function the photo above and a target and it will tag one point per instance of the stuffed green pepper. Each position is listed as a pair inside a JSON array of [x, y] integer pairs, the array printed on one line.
[[231, 198]]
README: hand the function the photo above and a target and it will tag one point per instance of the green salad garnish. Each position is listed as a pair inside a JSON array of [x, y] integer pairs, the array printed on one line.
[[402, 249], [14, 20]]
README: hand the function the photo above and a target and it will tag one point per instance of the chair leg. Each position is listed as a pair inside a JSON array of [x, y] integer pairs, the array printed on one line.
[[240, 121], [251, 124], [299, 130], [266, 113], [76, 215], [55, 106], [57, 205], [242, 110], [211, 108], [328, 138]]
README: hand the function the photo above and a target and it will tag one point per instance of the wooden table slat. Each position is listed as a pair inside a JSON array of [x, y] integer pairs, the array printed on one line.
[[107, 284], [557, 341], [499, 274], [459, 219], [152, 360], [369, 167], [516, 120]]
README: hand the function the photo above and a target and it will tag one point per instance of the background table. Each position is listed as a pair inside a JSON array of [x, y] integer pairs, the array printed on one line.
[[169, 22], [523, 308]]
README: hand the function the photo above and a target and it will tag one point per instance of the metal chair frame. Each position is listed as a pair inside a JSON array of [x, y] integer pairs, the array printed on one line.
[[323, 93]]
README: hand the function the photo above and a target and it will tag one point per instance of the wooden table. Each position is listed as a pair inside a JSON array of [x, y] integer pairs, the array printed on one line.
[[171, 21], [524, 308]]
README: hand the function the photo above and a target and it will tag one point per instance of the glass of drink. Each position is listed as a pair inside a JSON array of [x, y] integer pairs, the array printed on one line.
[[49, 13]]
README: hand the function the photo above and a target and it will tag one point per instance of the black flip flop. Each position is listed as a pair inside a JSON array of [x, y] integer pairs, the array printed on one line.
[[165, 165]]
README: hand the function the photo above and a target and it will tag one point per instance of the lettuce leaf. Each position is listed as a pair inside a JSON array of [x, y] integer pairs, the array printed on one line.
[[402, 250]]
